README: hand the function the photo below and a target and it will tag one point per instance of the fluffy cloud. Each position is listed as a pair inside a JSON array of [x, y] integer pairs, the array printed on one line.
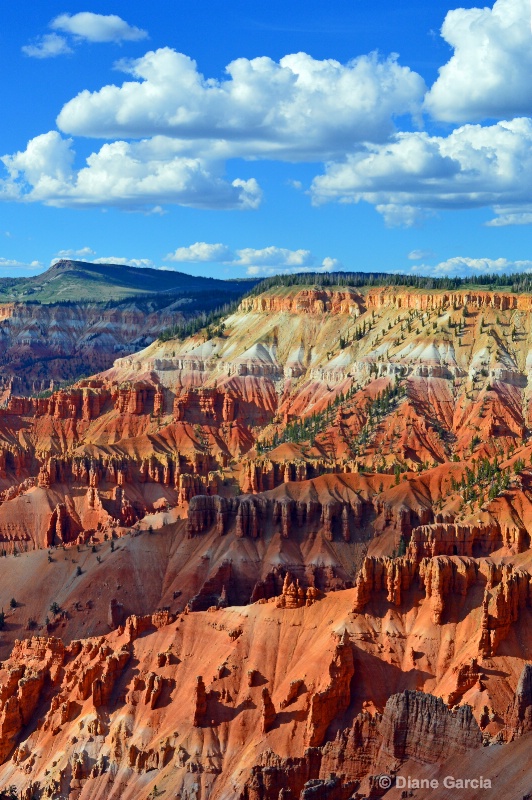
[[171, 130], [13, 264], [201, 252], [84, 26], [507, 216], [48, 46], [83, 252], [417, 255], [45, 166], [298, 108], [265, 261], [127, 175], [489, 73], [276, 260], [401, 215], [97, 27], [331, 264], [463, 267], [275, 257], [417, 174]]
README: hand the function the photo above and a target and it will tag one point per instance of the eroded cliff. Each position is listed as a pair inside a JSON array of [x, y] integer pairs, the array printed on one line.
[[275, 559]]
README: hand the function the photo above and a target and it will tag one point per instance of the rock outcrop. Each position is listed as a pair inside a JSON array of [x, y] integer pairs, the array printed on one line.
[[383, 575], [200, 702], [295, 596], [520, 715], [267, 711], [420, 726], [413, 726], [327, 704]]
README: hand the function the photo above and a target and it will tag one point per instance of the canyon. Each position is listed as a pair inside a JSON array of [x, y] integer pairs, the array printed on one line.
[[277, 559]]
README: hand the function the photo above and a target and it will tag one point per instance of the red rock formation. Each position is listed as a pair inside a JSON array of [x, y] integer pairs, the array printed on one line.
[[276, 778], [327, 704], [32, 360], [293, 691], [295, 596], [262, 474], [507, 594], [21, 686], [115, 616], [419, 726], [204, 511], [393, 576], [467, 676], [414, 725], [213, 592], [103, 686], [520, 715], [250, 514], [200, 702], [144, 711], [453, 539], [444, 576], [309, 301], [267, 711], [423, 300]]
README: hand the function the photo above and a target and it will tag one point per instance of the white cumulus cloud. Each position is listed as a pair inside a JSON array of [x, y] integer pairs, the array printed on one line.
[[331, 264], [508, 216], [417, 174], [170, 130], [48, 46], [489, 72], [258, 261], [14, 264], [45, 167], [275, 257], [127, 175], [279, 260], [297, 108], [417, 255], [201, 252], [83, 252], [97, 27], [76, 28]]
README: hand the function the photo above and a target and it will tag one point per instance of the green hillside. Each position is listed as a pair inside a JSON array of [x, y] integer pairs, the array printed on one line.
[[80, 281]]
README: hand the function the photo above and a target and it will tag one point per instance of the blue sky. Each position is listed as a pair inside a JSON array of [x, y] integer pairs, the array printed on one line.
[[243, 138]]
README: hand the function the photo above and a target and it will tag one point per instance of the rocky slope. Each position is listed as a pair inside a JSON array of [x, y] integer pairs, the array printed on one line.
[[277, 559], [43, 345], [248, 702]]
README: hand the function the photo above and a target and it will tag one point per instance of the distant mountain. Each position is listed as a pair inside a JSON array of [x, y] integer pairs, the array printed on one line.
[[81, 281], [77, 318]]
